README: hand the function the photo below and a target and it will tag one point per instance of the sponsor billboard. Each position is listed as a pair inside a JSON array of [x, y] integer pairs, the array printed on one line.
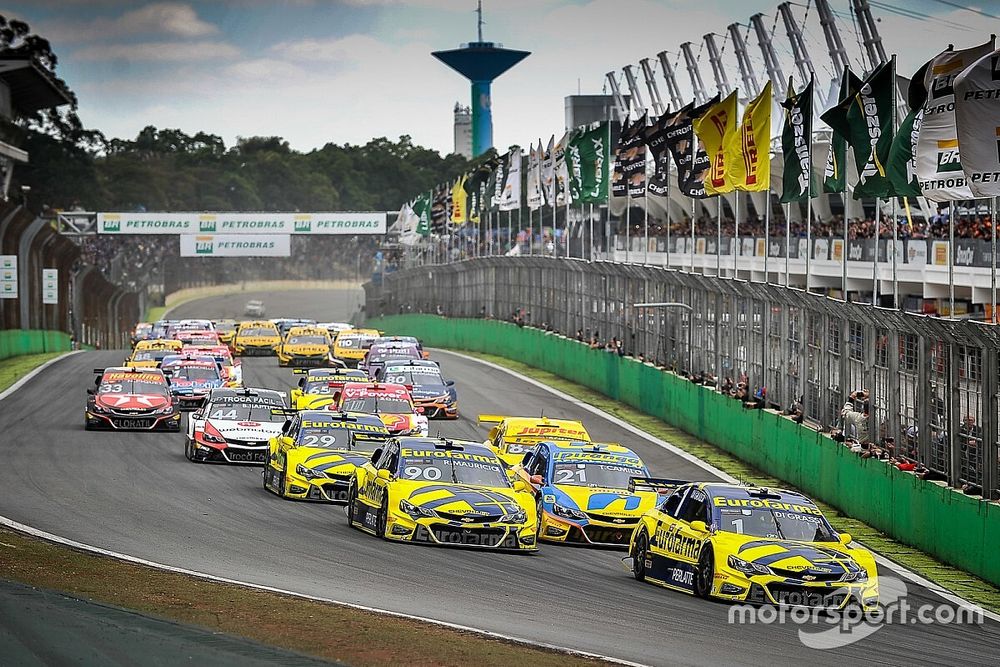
[[8, 276], [242, 223], [245, 245], [50, 286]]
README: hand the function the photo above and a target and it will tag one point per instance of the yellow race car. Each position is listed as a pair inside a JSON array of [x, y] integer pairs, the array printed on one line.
[[749, 544], [511, 437], [351, 345], [305, 346], [149, 353], [226, 330], [441, 491], [582, 491], [315, 456], [256, 338], [319, 387]]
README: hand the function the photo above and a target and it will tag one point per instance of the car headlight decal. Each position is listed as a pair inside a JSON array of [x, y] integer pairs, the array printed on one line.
[[309, 473], [747, 567], [567, 512], [415, 511]]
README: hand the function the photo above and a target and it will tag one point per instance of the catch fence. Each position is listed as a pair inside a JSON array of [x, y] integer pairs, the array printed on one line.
[[931, 382]]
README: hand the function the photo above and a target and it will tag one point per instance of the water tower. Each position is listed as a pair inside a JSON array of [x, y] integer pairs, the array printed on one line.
[[481, 62]]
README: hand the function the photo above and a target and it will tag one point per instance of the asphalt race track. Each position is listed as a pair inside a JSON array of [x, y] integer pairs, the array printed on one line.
[[135, 493]]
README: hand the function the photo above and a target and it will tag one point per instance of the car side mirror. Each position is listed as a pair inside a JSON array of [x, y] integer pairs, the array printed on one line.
[[90, 390], [699, 526], [537, 480], [520, 486], [449, 383], [845, 538], [384, 474], [419, 410]]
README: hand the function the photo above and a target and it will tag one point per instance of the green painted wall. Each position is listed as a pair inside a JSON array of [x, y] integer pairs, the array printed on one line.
[[955, 528], [15, 342]]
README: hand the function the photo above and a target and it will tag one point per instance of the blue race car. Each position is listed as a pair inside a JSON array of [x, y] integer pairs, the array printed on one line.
[[192, 378]]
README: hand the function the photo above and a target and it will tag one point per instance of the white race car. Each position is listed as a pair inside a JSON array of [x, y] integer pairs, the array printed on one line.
[[235, 426]]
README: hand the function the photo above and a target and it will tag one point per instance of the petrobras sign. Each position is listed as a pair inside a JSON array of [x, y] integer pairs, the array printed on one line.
[[242, 223], [229, 245]]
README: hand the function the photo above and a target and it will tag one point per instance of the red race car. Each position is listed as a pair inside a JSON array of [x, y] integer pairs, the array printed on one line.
[[131, 399]]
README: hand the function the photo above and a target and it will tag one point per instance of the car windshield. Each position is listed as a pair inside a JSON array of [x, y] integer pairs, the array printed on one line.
[[377, 405], [244, 411], [151, 355], [478, 470], [196, 373], [319, 387], [126, 386], [333, 436], [306, 340], [258, 331], [773, 523], [355, 341], [418, 376], [606, 475], [379, 354]]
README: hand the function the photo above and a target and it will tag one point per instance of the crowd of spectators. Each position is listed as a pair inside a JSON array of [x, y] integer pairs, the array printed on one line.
[[937, 227]]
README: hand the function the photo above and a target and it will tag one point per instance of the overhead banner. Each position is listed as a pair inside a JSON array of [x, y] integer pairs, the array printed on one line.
[[50, 286], [8, 276], [242, 223], [246, 245]]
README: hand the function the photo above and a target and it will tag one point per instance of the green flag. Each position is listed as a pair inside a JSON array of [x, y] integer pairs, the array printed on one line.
[[835, 174], [796, 146], [588, 158], [422, 207], [870, 121], [901, 167]]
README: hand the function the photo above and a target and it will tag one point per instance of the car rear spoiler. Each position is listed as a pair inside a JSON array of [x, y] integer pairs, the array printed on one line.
[[491, 419], [658, 484]]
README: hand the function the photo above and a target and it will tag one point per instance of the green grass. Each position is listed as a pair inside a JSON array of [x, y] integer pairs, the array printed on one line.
[[13, 369], [962, 583], [330, 631], [155, 313]]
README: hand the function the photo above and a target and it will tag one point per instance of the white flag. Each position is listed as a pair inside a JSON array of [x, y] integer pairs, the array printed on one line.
[[534, 182], [561, 169], [549, 172], [406, 224], [977, 119], [510, 198], [939, 164]]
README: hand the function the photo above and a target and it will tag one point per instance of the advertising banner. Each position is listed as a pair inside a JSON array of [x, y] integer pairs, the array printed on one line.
[[8, 276], [242, 223], [50, 286], [246, 245], [916, 251]]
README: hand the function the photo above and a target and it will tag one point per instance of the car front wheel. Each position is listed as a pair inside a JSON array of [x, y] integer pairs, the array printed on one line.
[[705, 573], [639, 551]]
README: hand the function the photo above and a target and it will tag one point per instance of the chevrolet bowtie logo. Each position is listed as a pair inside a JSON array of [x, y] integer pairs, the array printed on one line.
[[809, 577]]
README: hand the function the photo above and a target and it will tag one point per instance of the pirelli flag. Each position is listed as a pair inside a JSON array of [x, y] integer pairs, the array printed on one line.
[[751, 163], [977, 120], [939, 160], [716, 131]]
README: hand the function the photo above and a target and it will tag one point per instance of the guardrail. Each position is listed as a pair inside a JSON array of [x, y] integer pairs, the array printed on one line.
[[956, 528], [89, 309], [931, 383]]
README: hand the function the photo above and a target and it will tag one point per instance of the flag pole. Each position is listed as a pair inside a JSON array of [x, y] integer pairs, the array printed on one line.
[[718, 241], [645, 225], [694, 152], [993, 259], [788, 239], [892, 209], [628, 223], [738, 248], [951, 259], [669, 158], [767, 223], [878, 237], [590, 257], [510, 214]]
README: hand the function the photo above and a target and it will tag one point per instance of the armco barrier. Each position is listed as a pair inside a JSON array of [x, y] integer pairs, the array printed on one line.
[[955, 528], [15, 342]]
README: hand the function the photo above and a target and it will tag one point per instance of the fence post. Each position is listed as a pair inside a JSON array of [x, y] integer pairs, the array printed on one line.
[[892, 398], [954, 419]]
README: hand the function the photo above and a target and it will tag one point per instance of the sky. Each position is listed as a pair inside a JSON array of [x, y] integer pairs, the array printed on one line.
[[345, 71]]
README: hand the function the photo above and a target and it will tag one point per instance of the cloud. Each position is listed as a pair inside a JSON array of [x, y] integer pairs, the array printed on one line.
[[351, 48], [172, 52], [159, 18]]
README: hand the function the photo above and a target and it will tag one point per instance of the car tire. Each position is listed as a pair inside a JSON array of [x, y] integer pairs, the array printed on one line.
[[188, 450], [639, 556], [382, 524], [352, 505], [538, 524], [704, 573]]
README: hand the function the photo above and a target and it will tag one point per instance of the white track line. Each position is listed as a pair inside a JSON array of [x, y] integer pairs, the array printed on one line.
[[33, 372], [20, 527], [687, 456]]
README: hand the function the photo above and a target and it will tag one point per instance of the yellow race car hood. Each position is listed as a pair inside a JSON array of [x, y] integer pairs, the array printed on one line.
[[329, 461], [605, 502], [807, 561], [457, 501]]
